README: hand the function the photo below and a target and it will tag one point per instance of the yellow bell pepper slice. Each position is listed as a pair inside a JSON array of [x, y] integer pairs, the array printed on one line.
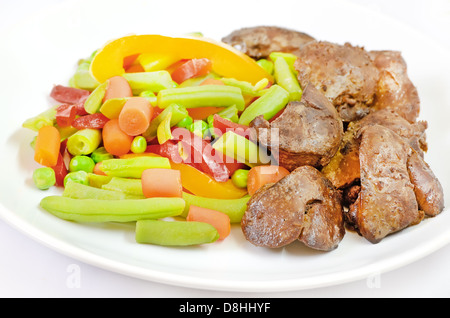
[[226, 60], [201, 184]]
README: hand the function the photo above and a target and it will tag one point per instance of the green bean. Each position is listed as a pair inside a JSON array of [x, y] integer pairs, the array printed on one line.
[[178, 113], [46, 118], [148, 81], [287, 79], [269, 104], [196, 81], [95, 99], [77, 190], [240, 148], [101, 154], [44, 178], [95, 210], [230, 113], [288, 57], [97, 180], [84, 141], [266, 65], [150, 96], [234, 208], [246, 88], [164, 133], [202, 96], [132, 167], [128, 186], [175, 233], [83, 78]]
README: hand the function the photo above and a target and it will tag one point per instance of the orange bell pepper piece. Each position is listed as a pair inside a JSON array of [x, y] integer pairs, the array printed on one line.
[[226, 60]]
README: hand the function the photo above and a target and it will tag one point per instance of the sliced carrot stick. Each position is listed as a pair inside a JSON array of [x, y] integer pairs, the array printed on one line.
[[161, 183], [118, 87], [135, 116], [212, 81], [219, 220], [261, 175], [48, 142], [116, 141]]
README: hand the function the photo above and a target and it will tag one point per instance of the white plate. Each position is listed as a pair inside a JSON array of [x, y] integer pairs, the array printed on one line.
[[43, 51]]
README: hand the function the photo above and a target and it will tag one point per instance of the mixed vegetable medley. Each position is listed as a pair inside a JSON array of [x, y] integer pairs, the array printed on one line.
[[155, 130]]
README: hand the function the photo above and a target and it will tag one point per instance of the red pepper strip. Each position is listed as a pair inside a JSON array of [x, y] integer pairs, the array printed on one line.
[[93, 121], [69, 95], [202, 154], [171, 149], [223, 125], [65, 115], [60, 168]]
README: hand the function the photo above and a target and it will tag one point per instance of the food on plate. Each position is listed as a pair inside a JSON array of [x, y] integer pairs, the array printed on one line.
[[394, 88], [284, 136], [258, 42], [386, 202], [303, 206], [309, 131], [345, 74]]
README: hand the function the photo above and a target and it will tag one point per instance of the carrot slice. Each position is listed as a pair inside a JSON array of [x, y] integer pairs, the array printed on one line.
[[48, 142], [218, 219], [212, 81], [118, 87], [161, 183], [261, 175], [115, 141], [135, 116]]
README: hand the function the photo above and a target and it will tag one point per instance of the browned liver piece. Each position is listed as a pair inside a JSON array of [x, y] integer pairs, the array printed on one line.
[[302, 206], [259, 41], [345, 74], [309, 131], [394, 89], [386, 203]]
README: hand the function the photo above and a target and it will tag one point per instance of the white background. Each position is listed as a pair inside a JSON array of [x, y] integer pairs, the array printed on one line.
[[29, 269]]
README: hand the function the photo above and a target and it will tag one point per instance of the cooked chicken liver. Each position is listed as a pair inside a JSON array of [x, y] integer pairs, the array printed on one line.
[[309, 131], [394, 89], [345, 74], [303, 205], [387, 202], [258, 42]]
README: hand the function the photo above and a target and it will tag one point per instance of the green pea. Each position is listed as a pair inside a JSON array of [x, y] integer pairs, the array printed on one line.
[[100, 154], [83, 163], [199, 127], [139, 144], [185, 122], [240, 177], [44, 178], [77, 176]]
